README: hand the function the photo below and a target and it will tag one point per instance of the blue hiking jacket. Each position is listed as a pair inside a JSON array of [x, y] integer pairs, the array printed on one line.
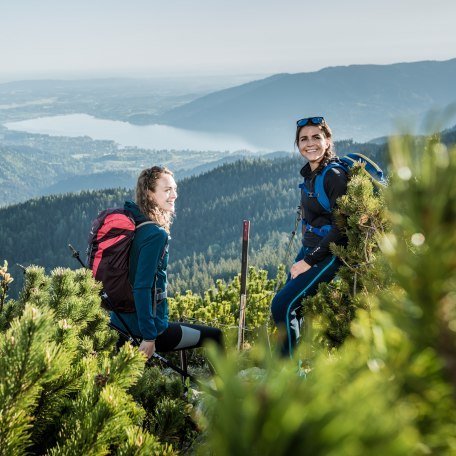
[[148, 258]]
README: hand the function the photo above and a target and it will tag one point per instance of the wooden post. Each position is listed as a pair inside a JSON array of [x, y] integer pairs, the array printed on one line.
[[244, 272], [183, 363]]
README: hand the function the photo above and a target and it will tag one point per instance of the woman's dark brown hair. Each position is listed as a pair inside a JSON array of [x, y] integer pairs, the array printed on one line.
[[147, 183]]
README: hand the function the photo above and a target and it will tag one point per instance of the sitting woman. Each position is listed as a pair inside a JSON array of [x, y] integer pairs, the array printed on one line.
[[314, 263], [156, 193]]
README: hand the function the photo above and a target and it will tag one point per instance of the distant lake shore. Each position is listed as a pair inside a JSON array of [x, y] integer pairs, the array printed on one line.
[[158, 137]]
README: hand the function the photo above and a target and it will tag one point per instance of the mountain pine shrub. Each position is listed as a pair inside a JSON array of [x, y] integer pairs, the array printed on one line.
[[219, 306], [64, 389], [362, 216], [390, 387]]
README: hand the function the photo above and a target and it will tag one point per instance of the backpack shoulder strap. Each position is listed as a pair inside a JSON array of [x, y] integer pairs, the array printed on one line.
[[145, 223], [322, 197]]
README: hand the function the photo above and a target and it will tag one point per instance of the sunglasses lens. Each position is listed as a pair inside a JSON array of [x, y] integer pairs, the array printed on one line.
[[302, 122], [311, 120]]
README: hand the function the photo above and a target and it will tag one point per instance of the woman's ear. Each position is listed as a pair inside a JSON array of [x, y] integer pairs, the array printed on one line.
[[328, 144], [150, 195]]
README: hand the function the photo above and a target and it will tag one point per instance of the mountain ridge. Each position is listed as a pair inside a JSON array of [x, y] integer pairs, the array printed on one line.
[[359, 101]]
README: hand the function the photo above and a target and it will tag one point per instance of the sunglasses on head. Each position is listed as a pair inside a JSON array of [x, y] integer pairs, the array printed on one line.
[[311, 121]]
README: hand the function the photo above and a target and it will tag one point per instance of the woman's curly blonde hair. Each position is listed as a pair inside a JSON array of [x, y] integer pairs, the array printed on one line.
[[147, 182]]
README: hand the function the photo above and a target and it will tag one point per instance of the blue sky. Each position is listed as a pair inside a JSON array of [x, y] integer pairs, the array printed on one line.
[[212, 37]]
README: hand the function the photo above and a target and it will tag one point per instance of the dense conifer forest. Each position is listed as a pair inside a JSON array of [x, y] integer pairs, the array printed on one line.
[[207, 229]]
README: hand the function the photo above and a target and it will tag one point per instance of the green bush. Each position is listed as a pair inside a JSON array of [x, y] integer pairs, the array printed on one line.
[[64, 390], [390, 387], [374, 374]]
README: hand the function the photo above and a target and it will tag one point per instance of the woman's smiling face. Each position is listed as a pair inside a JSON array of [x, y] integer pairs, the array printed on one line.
[[165, 193], [312, 144]]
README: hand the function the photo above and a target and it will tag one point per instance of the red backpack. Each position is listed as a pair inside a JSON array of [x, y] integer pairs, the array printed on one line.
[[108, 256]]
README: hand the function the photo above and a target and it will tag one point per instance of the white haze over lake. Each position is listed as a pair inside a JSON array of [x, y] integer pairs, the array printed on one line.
[[159, 137]]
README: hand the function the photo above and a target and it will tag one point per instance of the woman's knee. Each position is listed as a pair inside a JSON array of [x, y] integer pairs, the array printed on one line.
[[210, 333], [278, 309], [217, 337]]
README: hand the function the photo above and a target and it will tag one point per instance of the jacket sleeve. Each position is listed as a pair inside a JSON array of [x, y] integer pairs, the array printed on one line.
[[149, 257], [335, 186]]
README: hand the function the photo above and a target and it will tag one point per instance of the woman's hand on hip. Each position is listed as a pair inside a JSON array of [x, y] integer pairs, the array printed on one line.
[[147, 347], [299, 268]]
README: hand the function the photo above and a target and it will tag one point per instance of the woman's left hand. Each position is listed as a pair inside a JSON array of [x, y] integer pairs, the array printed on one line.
[[299, 268], [147, 347]]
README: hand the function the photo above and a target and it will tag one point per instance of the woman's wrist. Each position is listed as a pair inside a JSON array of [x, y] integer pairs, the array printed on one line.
[[307, 261]]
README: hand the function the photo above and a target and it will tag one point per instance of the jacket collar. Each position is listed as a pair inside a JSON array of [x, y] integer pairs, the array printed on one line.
[[132, 207], [306, 172]]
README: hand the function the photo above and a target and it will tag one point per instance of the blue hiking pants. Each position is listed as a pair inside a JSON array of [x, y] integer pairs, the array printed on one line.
[[287, 301]]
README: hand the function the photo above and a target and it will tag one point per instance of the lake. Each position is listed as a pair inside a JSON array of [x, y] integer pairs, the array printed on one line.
[[158, 137]]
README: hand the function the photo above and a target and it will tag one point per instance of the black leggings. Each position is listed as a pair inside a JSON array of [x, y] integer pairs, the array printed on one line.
[[180, 336]]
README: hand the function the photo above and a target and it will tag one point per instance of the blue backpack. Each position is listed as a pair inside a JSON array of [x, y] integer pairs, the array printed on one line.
[[348, 161]]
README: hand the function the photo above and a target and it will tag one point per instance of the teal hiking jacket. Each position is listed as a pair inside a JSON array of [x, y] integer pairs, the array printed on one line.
[[148, 258]]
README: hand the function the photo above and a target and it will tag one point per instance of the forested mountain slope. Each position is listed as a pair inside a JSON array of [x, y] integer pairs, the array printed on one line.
[[34, 165], [207, 230], [210, 211]]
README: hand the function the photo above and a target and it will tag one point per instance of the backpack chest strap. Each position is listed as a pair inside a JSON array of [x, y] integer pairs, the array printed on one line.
[[157, 297], [307, 192], [321, 231], [160, 295]]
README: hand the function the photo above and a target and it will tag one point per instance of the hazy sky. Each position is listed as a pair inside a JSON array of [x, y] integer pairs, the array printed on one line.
[[41, 38]]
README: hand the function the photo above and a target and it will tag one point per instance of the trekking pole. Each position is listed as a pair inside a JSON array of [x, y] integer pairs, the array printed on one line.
[[75, 254], [24, 269], [243, 301], [293, 234]]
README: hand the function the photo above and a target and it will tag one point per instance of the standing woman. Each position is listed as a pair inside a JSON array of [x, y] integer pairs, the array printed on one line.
[[315, 263], [156, 193]]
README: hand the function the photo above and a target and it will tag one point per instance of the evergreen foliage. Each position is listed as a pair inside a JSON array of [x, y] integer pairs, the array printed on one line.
[[379, 347], [390, 388], [219, 306], [7, 309], [29, 359], [63, 390], [168, 415], [362, 216], [420, 251], [340, 408]]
